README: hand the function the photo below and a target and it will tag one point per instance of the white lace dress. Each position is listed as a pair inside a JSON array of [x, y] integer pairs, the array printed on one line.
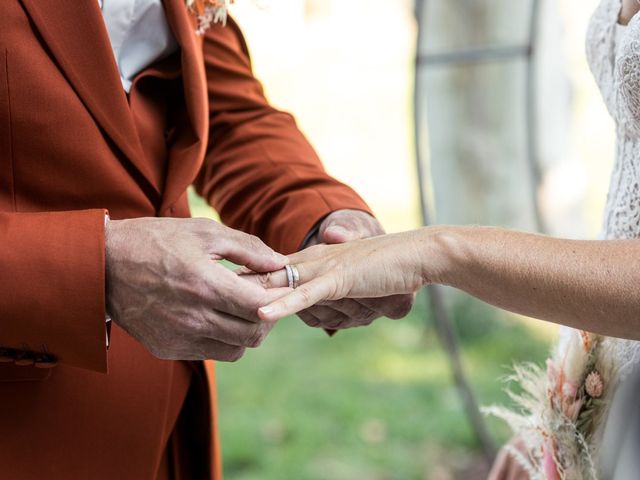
[[613, 52]]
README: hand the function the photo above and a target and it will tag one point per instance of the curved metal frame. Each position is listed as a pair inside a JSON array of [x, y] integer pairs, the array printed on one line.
[[484, 55], [444, 326]]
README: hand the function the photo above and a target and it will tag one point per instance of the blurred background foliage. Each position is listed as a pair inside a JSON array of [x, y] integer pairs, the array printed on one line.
[[378, 403], [375, 403]]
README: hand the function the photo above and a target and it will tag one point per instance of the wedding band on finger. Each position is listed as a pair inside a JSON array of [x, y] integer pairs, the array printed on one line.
[[293, 276], [296, 276]]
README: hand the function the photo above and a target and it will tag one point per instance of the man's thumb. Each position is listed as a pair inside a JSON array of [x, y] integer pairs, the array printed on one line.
[[338, 234]]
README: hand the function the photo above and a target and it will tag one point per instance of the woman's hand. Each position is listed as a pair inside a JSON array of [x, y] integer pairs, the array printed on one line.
[[589, 285], [344, 226], [375, 267]]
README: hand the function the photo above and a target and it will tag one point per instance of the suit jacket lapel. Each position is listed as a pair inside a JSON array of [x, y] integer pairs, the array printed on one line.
[[75, 33], [186, 155]]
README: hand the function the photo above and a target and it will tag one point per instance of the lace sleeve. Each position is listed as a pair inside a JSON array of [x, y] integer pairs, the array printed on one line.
[[628, 79], [601, 49]]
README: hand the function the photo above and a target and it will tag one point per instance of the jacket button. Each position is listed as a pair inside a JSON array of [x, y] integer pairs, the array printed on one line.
[[24, 362], [46, 365], [23, 359], [46, 362], [5, 357]]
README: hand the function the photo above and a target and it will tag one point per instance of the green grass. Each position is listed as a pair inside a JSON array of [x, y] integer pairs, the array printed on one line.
[[371, 403]]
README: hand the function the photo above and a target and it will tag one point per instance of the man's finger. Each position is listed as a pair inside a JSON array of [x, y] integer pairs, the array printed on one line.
[[277, 279], [249, 251], [348, 225], [235, 295], [394, 306], [299, 299], [328, 317], [236, 331], [204, 349], [219, 351], [307, 317], [339, 234], [358, 313]]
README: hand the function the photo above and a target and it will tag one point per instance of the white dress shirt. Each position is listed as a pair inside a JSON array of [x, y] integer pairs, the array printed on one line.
[[139, 34]]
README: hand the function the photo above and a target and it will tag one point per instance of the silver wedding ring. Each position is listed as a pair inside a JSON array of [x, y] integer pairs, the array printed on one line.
[[293, 276]]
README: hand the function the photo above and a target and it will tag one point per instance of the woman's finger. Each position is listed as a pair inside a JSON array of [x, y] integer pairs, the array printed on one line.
[[301, 298], [279, 278], [315, 254]]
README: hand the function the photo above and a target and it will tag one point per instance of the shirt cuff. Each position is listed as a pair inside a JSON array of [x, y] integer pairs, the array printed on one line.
[[107, 318], [312, 232]]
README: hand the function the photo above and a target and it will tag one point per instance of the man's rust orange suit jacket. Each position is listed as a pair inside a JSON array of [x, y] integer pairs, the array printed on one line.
[[73, 145]]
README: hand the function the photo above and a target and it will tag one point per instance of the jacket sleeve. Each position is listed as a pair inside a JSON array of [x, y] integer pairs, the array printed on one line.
[[260, 173], [52, 292]]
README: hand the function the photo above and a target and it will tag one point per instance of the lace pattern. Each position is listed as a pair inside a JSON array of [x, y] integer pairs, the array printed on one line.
[[601, 48], [617, 72]]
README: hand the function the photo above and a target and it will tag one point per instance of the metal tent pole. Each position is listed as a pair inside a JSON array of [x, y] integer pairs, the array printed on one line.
[[532, 116], [443, 323], [501, 54]]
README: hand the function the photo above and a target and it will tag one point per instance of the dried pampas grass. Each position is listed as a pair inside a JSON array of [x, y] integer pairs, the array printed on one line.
[[559, 411]]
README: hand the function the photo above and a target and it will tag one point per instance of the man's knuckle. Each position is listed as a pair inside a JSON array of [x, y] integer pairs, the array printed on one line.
[[223, 242], [206, 326], [235, 354], [335, 322], [334, 325], [253, 341], [204, 228], [401, 308], [158, 351], [203, 222], [255, 241], [312, 322], [308, 318], [257, 335], [154, 350], [367, 315]]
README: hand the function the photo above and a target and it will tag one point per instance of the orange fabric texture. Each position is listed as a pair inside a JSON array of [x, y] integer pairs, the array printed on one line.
[[72, 146]]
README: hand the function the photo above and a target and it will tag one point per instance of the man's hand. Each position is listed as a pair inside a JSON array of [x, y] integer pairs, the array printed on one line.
[[167, 290], [340, 227]]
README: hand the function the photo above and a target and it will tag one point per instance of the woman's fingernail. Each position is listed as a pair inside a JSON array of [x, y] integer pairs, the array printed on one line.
[[266, 311]]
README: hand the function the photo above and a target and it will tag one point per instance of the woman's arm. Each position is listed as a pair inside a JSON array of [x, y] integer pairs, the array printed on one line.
[[591, 285]]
